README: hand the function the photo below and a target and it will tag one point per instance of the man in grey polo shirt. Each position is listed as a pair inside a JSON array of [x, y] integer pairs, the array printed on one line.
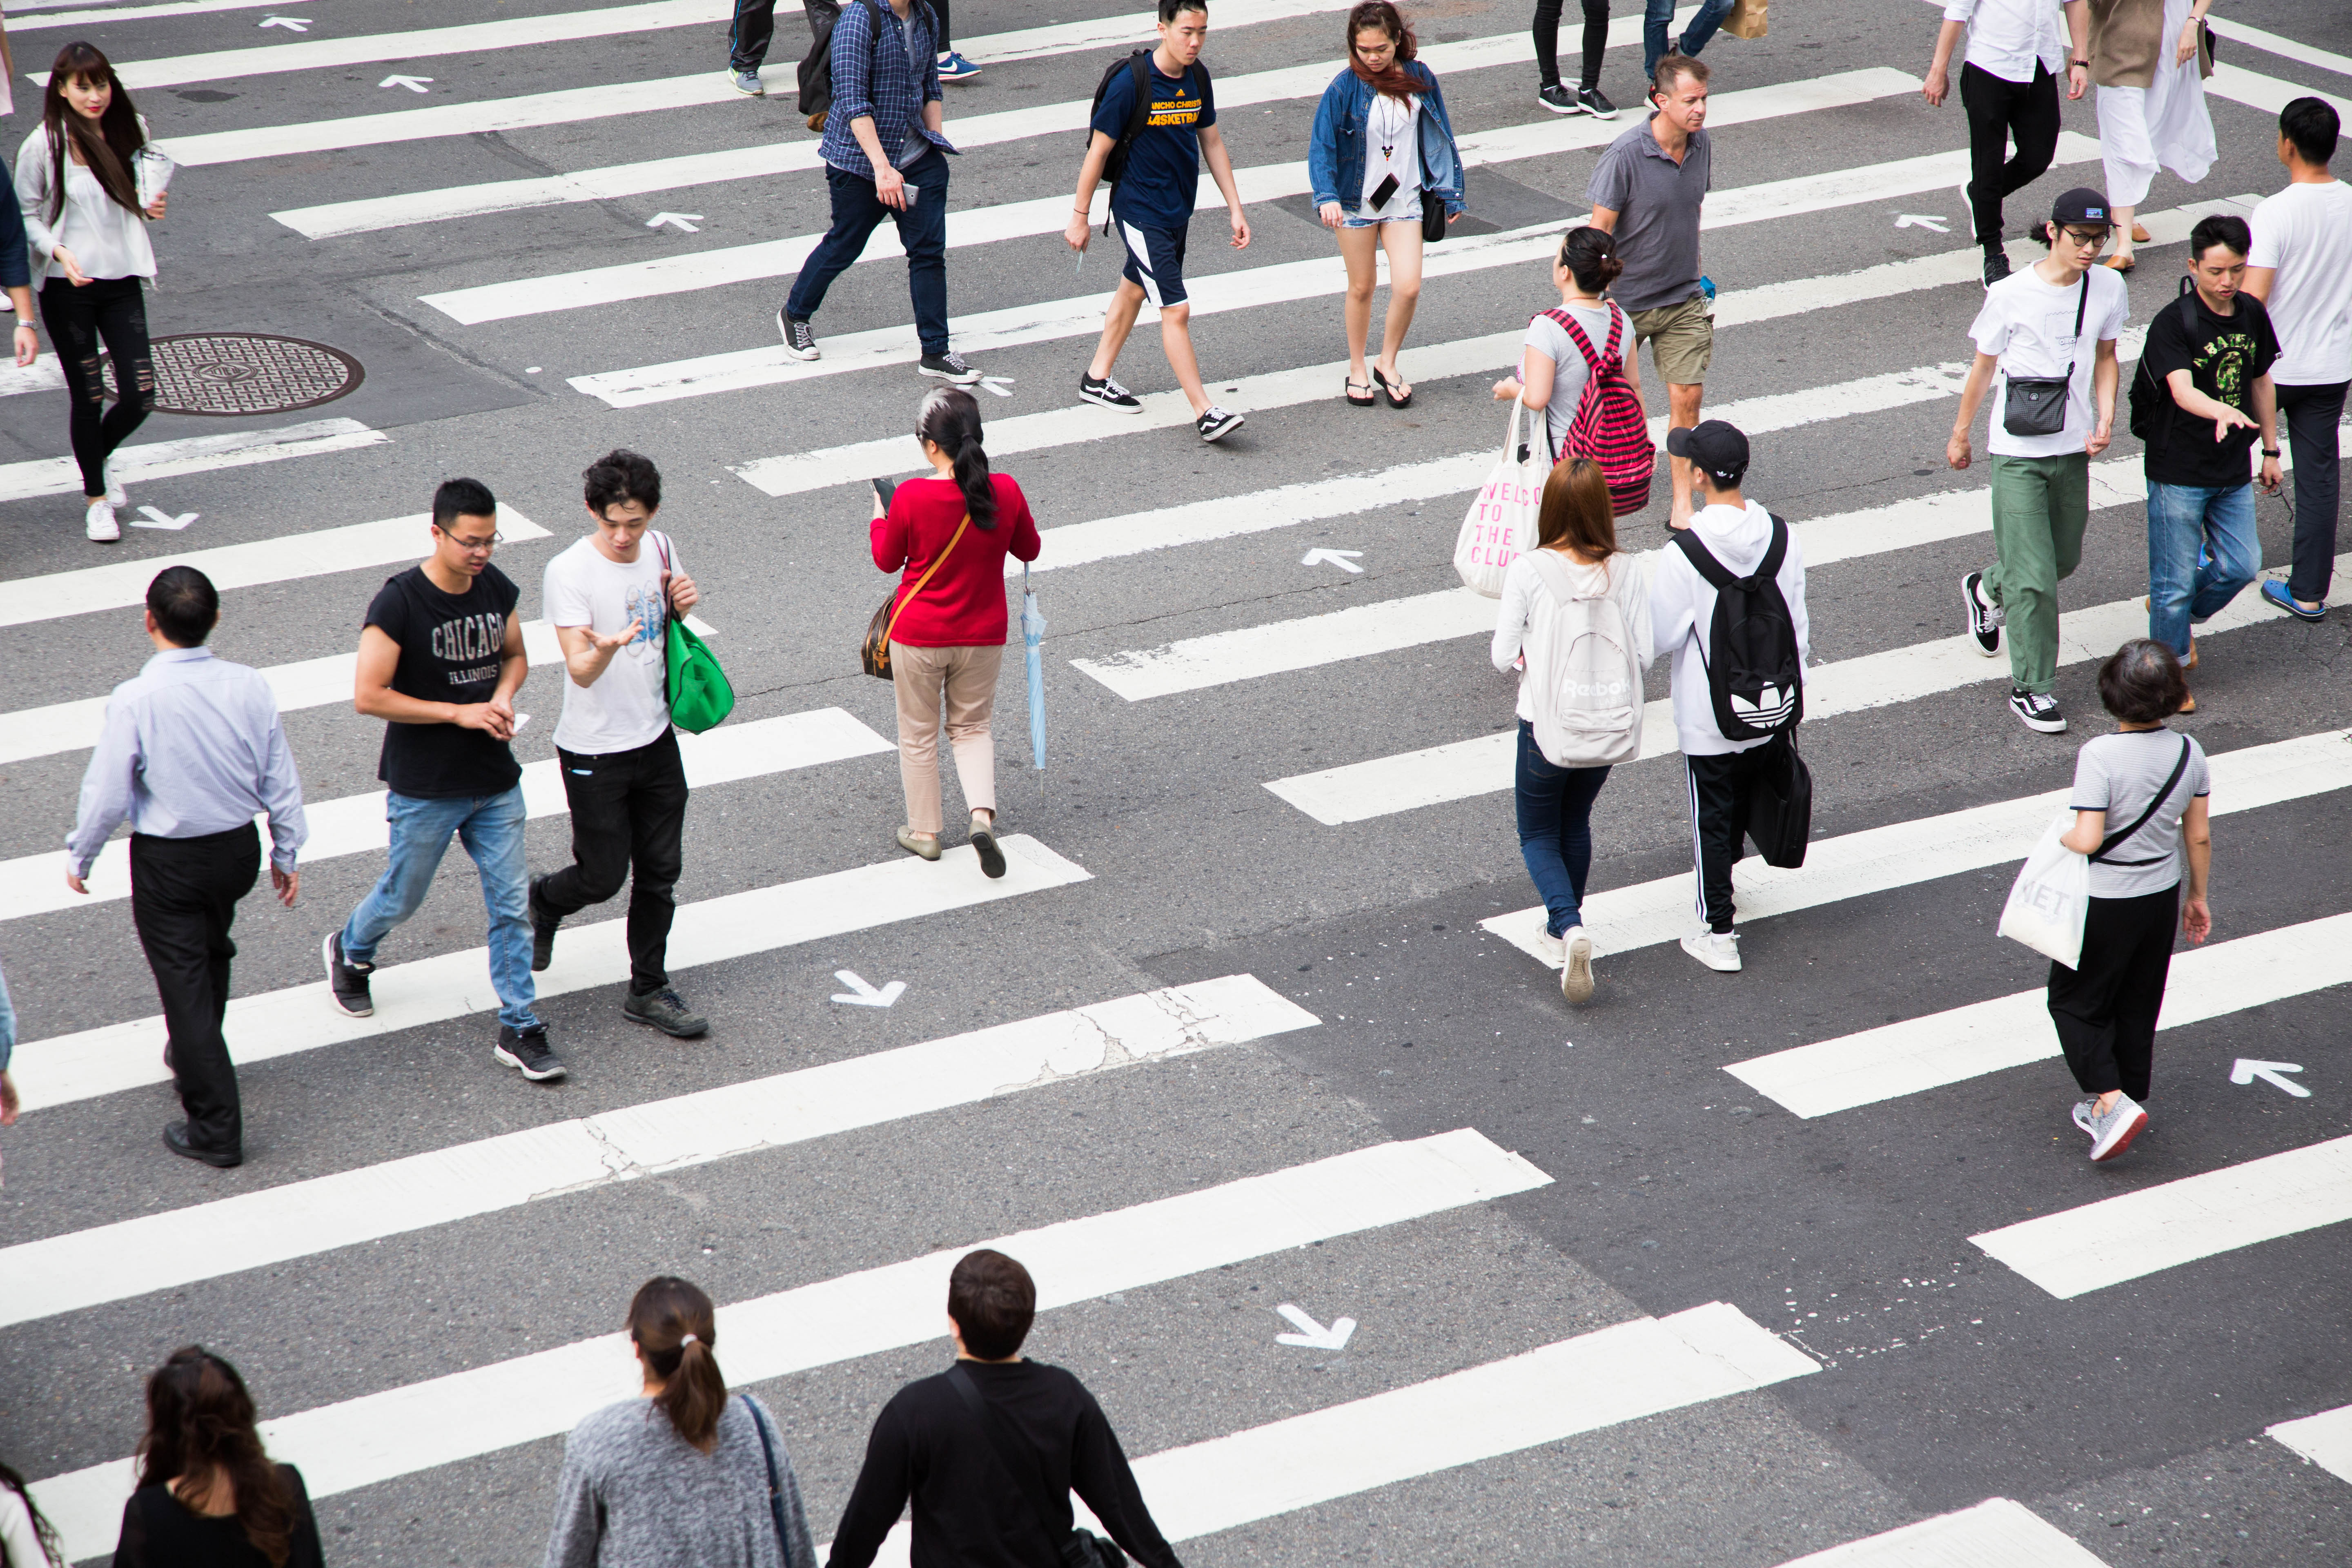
[[1646, 190]]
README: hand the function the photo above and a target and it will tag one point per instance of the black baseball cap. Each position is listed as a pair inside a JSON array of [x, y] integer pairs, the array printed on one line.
[[1716, 446], [2082, 205]]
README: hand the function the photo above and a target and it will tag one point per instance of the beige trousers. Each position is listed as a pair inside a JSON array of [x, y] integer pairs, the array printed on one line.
[[963, 680]]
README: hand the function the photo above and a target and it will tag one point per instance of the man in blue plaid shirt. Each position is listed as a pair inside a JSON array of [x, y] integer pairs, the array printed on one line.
[[884, 157]]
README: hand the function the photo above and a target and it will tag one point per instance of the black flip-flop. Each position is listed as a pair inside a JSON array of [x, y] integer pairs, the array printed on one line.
[[1348, 390], [1388, 390]]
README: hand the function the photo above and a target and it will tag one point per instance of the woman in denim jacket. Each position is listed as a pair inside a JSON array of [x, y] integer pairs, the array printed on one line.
[[1382, 133]]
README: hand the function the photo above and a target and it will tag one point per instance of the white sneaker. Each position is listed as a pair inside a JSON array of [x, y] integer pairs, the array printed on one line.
[[115, 494], [1719, 950], [1575, 977], [100, 524], [1554, 950]]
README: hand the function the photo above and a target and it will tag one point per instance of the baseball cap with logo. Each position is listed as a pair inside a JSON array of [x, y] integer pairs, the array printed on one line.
[[2081, 205], [1715, 446]]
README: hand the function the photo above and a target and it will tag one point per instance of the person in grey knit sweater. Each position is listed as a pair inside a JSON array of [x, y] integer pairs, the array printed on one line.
[[684, 1477]]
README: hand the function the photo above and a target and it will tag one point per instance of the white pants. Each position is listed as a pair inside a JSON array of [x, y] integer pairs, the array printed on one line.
[[2162, 124]]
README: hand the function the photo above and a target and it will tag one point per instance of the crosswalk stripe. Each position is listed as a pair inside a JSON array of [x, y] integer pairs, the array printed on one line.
[[115, 15], [1924, 849], [421, 42], [299, 1219], [712, 268], [42, 375], [2291, 48], [400, 1431], [355, 825], [2131, 1235], [149, 461], [115, 1057], [2326, 1439], [1916, 1055], [122, 583], [1995, 1533], [2267, 93], [1358, 632]]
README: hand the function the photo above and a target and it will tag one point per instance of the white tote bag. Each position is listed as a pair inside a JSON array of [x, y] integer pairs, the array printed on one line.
[[1502, 520], [2050, 898]]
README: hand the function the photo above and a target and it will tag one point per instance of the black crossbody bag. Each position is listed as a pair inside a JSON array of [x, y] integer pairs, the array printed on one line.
[[2139, 822], [2036, 404], [1080, 1548]]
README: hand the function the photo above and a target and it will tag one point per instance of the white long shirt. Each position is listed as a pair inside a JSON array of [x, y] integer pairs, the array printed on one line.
[[2008, 38], [106, 237], [1681, 613]]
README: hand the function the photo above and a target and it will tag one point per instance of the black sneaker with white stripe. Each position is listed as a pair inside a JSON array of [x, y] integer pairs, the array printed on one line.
[[950, 368], [2037, 711], [1216, 423], [528, 1052], [1103, 393], [800, 338], [1985, 617]]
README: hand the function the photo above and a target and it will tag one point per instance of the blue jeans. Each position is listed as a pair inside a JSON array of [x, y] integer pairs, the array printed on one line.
[[2202, 551], [1556, 828], [491, 827], [857, 212], [1660, 15]]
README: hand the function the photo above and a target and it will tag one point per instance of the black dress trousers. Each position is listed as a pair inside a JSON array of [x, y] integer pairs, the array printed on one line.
[[183, 894]]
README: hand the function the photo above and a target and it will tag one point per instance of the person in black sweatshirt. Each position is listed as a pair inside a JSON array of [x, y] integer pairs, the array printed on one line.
[[946, 1441]]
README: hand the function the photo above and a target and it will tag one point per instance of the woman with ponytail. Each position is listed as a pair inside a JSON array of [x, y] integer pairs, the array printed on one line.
[[77, 178], [948, 537], [683, 1477], [208, 1495]]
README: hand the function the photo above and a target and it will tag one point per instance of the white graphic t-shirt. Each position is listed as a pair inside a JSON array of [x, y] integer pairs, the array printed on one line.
[[626, 708], [2031, 325]]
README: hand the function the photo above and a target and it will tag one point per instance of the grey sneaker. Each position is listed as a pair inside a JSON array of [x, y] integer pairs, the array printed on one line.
[[1576, 975], [800, 338], [2113, 1134], [528, 1052], [950, 368], [666, 1010], [1718, 949], [748, 83], [2082, 1114]]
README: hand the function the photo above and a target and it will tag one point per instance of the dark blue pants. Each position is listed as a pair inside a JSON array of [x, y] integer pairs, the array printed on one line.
[[857, 212], [1555, 808]]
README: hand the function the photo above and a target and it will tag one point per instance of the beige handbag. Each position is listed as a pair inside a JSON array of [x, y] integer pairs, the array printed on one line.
[[1745, 19]]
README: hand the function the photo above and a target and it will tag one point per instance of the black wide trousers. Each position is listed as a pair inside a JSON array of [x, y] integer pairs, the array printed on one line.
[[2106, 1009], [183, 894]]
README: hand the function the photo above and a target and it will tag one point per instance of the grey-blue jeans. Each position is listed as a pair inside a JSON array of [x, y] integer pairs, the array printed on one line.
[[491, 827], [1660, 17]]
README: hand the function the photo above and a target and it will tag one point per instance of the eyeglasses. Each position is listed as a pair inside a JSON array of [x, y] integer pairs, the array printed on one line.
[[2094, 237], [476, 546]]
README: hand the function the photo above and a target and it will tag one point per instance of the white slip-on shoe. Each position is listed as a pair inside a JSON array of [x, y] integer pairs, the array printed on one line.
[[1718, 949], [99, 523], [1576, 975]]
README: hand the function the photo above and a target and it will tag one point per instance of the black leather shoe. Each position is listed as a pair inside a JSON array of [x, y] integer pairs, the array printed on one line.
[[543, 929], [175, 1139]]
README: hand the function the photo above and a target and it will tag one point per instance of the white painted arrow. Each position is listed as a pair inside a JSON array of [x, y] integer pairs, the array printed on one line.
[[683, 222], [291, 23], [149, 517], [1342, 559], [996, 383], [2248, 1069], [413, 83], [1313, 1335], [865, 995], [1914, 220]]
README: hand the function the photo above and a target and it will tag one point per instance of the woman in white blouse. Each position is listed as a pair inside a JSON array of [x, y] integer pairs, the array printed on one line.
[[77, 179]]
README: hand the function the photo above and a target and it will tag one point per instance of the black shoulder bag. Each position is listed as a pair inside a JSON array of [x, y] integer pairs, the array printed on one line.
[[2139, 822], [1080, 1548], [2036, 404], [785, 1538]]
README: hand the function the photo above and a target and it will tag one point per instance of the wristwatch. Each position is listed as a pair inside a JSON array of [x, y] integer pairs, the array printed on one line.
[[2269, 451]]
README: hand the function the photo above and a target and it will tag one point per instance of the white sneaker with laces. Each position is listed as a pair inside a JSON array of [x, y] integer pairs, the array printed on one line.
[[1718, 949], [99, 523], [1575, 974]]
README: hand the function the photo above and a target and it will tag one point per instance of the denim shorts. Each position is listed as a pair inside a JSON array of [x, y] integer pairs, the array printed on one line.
[[1352, 221]]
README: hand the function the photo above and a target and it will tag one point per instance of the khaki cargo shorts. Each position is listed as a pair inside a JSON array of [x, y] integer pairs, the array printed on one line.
[[1681, 338]]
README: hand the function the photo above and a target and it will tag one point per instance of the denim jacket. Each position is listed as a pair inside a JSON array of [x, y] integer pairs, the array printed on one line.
[[1335, 150]]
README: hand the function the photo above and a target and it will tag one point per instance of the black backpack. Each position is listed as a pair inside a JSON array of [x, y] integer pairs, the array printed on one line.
[[1139, 63], [2151, 400], [815, 70], [1756, 678]]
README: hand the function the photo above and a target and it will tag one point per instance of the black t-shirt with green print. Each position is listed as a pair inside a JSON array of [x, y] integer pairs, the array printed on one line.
[[2224, 356]]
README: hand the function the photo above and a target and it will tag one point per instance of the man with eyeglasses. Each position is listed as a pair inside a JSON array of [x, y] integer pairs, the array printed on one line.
[[2053, 409], [440, 659]]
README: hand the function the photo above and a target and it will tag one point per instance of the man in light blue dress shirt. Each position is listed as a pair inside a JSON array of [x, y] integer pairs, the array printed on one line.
[[192, 752]]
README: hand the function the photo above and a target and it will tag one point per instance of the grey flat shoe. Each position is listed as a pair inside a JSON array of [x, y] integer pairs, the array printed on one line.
[[929, 848]]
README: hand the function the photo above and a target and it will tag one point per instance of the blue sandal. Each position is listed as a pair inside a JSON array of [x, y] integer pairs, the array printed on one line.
[[2280, 598]]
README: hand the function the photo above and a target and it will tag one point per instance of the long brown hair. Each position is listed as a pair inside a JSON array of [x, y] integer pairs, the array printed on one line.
[[44, 1534], [107, 151], [674, 1327], [1576, 510], [1395, 81], [200, 1428]]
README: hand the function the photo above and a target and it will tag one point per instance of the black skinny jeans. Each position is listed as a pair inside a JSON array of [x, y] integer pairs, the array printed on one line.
[[1997, 109], [628, 821], [113, 310], [1547, 36]]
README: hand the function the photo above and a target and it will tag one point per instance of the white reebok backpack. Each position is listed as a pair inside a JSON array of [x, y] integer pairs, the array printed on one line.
[[1583, 675]]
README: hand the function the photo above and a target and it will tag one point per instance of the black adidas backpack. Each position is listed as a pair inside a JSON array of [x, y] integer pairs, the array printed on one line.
[[1138, 64], [1756, 679]]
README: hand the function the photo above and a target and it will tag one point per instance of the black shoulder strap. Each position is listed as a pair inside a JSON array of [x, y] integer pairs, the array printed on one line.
[[1139, 66], [2161, 795], [1702, 561], [1768, 569], [1001, 1442]]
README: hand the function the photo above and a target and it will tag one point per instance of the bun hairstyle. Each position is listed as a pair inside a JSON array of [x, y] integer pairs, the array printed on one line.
[[674, 1328], [949, 420], [1383, 16], [1590, 256], [200, 1429], [106, 150]]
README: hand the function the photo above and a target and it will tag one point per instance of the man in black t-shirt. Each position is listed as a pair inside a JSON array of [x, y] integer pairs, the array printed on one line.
[[2209, 380], [441, 659]]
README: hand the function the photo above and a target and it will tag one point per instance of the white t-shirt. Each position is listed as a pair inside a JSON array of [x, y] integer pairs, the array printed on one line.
[[2031, 325], [626, 708], [2305, 232], [2008, 38], [1392, 146]]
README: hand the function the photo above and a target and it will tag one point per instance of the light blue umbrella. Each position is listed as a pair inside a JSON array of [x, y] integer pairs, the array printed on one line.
[[1033, 630]]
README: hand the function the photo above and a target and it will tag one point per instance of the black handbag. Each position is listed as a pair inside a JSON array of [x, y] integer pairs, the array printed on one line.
[[1080, 1548], [1433, 217], [2036, 404], [1780, 807]]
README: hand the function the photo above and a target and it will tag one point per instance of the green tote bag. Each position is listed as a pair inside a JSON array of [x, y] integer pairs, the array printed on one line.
[[697, 689]]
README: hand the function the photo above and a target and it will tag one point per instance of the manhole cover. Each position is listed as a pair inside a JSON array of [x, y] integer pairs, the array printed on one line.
[[245, 373]]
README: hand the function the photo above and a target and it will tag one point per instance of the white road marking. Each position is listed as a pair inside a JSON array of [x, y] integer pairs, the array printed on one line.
[[1916, 1055], [1995, 1533], [2326, 1439], [2291, 48], [396, 1197], [2266, 93], [42, 375], [2134, 1235], [110, 17], [354, 824], [400, 1431], [147, 461], [2246, 1069], [1358, 632]]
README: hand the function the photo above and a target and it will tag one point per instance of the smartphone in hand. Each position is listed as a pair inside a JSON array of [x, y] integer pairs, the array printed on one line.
[[883, 490]]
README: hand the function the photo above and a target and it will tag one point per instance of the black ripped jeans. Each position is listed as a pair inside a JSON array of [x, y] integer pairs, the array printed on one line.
[[114, 310]]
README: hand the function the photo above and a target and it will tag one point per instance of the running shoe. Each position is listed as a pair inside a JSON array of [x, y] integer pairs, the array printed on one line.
[[748, 83], [950, 368], [1985, 617], [98, 523], [1718, 949], [1557, 99], [954, 67], [2113, 1134], [1996, 267], [1216, 423], [666, 1010], [2037, 711], [1103, 393], [346, 983], [1589, 101], [542, 928], [2082, 1109], [800, 338], [528, 1052]]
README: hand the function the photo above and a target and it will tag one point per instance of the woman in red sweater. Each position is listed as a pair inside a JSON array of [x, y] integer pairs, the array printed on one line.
[[948, 538]]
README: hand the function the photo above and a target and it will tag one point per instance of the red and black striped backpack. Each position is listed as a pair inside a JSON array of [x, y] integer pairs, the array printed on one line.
[[1610, 427]]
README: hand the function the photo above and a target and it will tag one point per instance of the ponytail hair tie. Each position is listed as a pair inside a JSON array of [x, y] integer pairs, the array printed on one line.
[[686, 1339]]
